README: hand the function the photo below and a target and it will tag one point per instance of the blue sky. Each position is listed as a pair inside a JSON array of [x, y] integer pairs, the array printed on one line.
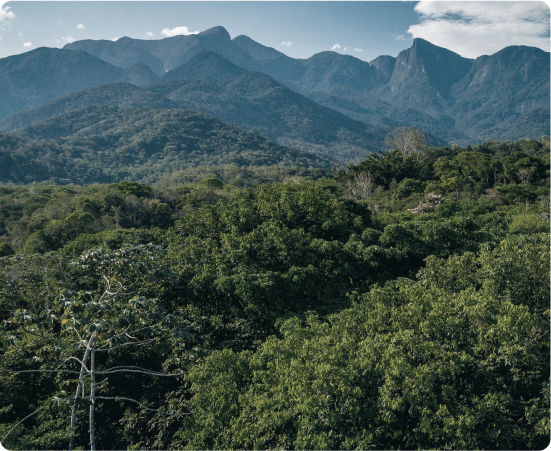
[[364, 29]]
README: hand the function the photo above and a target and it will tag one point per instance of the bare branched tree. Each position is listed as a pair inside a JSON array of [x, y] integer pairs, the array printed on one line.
[[409, 141], [525, 174], [363, 186]]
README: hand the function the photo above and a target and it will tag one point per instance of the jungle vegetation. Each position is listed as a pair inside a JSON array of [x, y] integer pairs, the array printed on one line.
[[401, 302]]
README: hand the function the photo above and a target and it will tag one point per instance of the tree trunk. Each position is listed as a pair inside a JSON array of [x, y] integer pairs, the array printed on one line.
[[77, 394], [92, 399]]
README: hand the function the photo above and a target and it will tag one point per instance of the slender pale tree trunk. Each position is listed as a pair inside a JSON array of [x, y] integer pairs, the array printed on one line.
[[92, 397], [77, 394]]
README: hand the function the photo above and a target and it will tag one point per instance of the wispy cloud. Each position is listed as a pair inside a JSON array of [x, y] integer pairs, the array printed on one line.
[[6, 14], [286, 43], [28, 44], [67, 38], [335, 47], [358, 50], [115, 38], [81, 26], [150, 33], [476, 28], [177, 31], [402, 37]]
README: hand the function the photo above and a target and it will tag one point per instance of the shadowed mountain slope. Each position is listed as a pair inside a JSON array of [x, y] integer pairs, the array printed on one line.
[[213, 85], [428, 87], [500, 89], [470, 100], [38, 76], [423, 76], [366, 108], [140, 75], [253, 100]]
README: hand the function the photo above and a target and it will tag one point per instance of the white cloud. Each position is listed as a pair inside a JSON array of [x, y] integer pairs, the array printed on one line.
[[346, 48], [358, 50], [115, 39], [67, 38], [28, 44], [402, 37], [81, 26], [0, 38], [20, 34], [477, 28], [150, 33], [286, 43], [335, 47], [177, 31], [6, 14]]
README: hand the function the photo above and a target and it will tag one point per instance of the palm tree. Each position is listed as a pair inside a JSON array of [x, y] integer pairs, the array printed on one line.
[[507, 174]]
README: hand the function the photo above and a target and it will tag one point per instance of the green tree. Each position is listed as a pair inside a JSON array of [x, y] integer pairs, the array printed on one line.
[[78, 326]]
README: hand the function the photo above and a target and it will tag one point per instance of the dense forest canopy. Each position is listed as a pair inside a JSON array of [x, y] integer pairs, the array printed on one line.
[[104, 144], [400, 302]]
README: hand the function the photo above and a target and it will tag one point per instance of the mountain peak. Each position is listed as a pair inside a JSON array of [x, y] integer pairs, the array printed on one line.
[[438, 66], [385, 66], [219, 32], [206, 65], [421, 41]]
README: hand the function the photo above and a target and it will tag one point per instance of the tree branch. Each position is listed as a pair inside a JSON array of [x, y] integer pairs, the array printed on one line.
[[39, 371], [126, 344], [151, 373], [28, 416]]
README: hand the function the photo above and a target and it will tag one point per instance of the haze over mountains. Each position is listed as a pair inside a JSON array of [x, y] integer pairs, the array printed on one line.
[[332, 104]]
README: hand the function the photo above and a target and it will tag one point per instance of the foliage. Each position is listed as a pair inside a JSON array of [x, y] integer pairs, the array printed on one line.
[[448, 361], [319, 317], [77, 325], [110, 144]]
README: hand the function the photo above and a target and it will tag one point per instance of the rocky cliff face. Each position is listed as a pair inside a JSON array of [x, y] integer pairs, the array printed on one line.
[[385, 67]]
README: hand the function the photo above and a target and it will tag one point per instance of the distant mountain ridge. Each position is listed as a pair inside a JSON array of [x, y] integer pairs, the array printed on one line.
[[427, 87], [424, 79], [211, 84], [166, 54]]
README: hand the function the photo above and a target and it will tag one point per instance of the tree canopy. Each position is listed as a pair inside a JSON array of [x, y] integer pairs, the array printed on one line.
[[228, 313]]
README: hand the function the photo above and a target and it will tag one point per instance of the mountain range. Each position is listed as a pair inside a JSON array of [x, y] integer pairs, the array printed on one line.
[[211, 84], [332, 104], [464, 97]]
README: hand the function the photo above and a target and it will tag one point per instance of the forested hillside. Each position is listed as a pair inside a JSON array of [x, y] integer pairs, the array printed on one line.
[[105, 144], [115, 94], [398, 303], [467, 101], [252, 100], [44, 74]]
